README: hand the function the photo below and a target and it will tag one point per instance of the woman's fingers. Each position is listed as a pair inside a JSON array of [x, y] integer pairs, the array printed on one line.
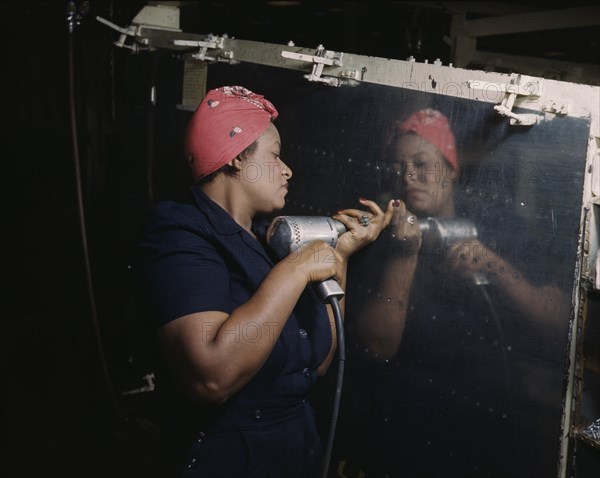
[[375, 216], [363, 226], [372, 205], [398, 212]]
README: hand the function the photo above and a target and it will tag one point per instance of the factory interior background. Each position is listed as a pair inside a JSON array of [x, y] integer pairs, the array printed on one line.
[[73, 349]]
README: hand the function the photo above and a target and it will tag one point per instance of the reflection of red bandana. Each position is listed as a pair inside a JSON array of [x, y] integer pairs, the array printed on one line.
[[227, 121], [435, 128]]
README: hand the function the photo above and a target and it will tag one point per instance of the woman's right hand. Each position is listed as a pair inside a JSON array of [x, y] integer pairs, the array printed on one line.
[[317, 261]]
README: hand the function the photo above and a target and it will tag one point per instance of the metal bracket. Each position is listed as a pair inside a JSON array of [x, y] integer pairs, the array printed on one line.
[[523, 86], [131, 30], [319, 60], [212, 43], [519, 85], [153, 17]]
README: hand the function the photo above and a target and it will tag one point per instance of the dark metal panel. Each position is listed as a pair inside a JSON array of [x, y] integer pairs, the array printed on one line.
[[476, 388]]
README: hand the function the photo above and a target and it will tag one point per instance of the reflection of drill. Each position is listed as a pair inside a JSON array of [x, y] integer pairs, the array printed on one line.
[[439, 233]]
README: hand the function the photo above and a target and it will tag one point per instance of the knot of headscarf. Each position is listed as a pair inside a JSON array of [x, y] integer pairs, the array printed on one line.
[[227, 121]]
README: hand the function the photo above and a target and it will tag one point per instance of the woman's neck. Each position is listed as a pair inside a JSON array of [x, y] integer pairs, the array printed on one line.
[[225, 194]]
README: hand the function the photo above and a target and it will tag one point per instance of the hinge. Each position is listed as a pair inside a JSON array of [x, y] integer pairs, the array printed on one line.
[[320, 59], [519, 85]]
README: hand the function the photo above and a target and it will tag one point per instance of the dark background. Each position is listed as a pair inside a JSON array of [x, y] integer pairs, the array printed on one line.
[[71, 339]]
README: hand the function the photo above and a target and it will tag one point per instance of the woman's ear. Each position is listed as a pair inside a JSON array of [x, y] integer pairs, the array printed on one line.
[[235, 163]]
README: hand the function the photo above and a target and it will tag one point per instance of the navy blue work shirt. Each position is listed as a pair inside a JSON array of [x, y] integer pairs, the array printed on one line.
[[197, 258]]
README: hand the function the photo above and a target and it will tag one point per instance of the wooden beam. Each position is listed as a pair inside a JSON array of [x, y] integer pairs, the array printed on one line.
[[529, 22]]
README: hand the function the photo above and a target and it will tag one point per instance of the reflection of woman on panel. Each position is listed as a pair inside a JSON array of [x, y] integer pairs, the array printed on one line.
[[434, 368], [423, 153], [243, 336]]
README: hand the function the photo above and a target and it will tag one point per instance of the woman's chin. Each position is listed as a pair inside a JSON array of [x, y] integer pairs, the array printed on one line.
[[419, 209]]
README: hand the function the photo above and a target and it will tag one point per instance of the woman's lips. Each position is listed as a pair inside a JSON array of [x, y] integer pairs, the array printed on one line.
[[415, 193]]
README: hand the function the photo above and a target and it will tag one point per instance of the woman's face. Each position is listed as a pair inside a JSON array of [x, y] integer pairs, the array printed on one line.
[[264, 175], [427, 178]]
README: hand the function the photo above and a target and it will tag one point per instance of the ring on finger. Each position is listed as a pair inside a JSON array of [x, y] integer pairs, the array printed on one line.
[[364, 220]]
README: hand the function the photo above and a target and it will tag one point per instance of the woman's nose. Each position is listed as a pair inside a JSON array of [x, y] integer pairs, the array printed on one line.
[[286, 170]]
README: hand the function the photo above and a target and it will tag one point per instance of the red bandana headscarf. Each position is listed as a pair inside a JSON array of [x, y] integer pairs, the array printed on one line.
[[227, 121], [434, 127]]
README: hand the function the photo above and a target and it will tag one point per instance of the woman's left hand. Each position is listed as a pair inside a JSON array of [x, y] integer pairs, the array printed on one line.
[[363, 227], [469, 256]]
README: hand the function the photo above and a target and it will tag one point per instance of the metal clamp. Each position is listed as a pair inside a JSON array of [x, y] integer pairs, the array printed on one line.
[[519, 85], [212, 43], [150, 17], [131, 30], [321, 59]]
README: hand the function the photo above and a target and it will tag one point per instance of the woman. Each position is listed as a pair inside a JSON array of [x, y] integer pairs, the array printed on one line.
[[423, 152], [242, 335]]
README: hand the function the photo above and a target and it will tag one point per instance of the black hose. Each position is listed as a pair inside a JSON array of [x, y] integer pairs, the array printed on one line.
[[82, 223], [341, 348]]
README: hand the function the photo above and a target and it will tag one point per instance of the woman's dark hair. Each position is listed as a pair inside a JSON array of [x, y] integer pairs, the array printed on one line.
[[226, 169]]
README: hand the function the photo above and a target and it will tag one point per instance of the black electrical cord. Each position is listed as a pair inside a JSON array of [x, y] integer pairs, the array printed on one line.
[[71, 11], [341, 349]]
